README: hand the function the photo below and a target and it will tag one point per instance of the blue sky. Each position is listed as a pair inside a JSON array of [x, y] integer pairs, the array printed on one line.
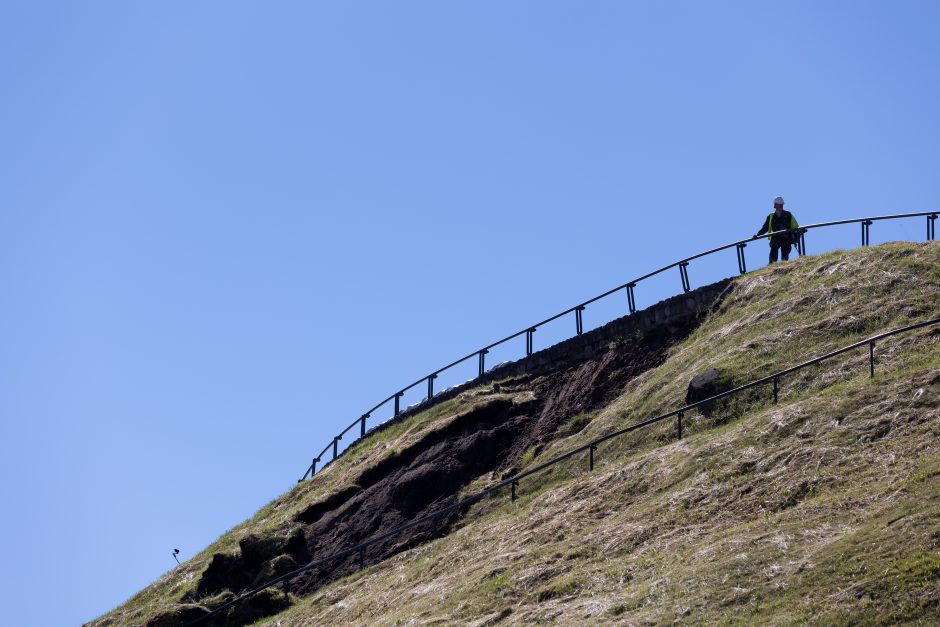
[[228, 228]]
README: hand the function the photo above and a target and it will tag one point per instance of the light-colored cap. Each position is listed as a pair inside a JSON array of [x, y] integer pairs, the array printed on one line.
[[778, 200]]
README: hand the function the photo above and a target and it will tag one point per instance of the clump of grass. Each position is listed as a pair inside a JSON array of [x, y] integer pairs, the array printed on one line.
[[573, 425]]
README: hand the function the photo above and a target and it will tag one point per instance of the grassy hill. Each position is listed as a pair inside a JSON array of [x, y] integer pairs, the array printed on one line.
[[822, 508]]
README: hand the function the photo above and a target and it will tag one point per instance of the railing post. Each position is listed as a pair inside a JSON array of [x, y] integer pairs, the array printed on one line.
[[431, 378], [528, 341], [871, 358], [312, 469], [631, 302], [335, 445], [684, 274], [397, 405], [362, 425], [802, 241], [579, 323], [866, 234], [513, 487], [679, 424], [742, 264], [483, 361], [931, 227], [776, 385], [591, 450]]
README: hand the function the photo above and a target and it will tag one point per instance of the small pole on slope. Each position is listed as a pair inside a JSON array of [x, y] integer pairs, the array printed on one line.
[[513, 488], [579, 323], [482, 354], [286, 586], [336, 446], [528, 341], [175, 553], [631, 301], [871, 358], [679, 424], [431, 378], [684, 275], [362, 425], [931, 227], [742, 263], [591, 450], [397, 398]]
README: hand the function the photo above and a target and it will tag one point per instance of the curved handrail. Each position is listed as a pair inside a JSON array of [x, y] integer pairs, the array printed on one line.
[[480, 353], [590, 447]]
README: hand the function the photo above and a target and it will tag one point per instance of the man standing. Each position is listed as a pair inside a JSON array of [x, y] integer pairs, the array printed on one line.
[[780, 220]]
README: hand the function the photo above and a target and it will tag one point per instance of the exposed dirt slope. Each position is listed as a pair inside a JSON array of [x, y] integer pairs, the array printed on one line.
[[821, 508], [484, 433]]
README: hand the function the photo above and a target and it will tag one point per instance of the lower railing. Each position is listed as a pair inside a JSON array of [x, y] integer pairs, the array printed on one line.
[[590, 448]]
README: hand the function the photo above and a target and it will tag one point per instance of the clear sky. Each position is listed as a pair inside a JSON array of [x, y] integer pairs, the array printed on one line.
[[228, 228]]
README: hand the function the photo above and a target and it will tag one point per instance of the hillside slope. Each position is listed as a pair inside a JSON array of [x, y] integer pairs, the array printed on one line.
[[823, 507]]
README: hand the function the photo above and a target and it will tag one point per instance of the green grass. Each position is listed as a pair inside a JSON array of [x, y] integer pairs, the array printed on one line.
[[821, 509]]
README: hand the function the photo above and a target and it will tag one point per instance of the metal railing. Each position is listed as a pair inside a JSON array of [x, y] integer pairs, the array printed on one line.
[[578, 310], [590, 448]]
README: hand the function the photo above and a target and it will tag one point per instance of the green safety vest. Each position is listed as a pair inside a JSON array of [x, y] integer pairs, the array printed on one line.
[[770, 219]]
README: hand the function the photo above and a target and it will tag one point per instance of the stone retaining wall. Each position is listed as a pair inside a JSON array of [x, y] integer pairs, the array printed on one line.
[[674, 311]]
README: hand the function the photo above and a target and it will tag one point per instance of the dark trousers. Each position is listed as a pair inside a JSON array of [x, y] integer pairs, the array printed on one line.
[[783, 247]]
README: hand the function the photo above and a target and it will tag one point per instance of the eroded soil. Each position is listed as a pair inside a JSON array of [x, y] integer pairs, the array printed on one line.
[[490, 438]]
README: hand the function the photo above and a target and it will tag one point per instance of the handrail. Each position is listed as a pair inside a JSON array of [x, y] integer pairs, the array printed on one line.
[[590, 446], [577, 309]]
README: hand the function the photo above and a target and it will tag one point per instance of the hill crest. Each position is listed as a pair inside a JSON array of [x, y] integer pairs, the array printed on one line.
[[771, 314]]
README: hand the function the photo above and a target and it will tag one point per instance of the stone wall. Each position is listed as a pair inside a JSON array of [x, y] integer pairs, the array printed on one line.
[[674, 311]]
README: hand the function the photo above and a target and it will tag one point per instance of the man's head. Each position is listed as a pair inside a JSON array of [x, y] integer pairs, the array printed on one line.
[[778, 205]]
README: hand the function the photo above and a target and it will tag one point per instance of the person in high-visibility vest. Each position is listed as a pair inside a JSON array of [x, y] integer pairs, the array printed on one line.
[[780, 220]]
